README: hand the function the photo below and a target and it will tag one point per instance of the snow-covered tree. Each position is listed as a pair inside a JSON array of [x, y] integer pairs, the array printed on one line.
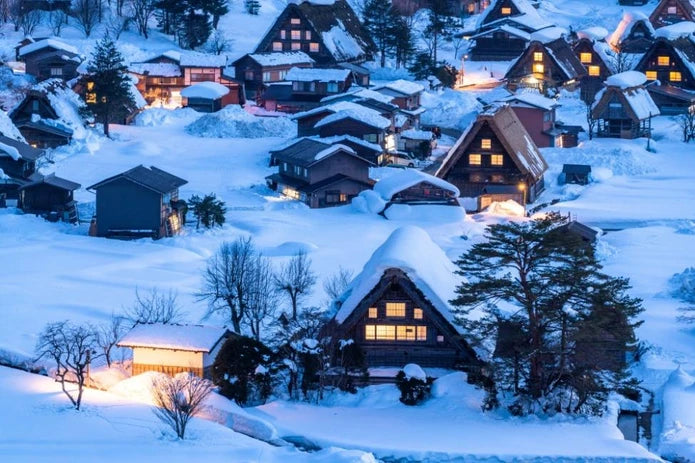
[[179, 399], [296, 279]]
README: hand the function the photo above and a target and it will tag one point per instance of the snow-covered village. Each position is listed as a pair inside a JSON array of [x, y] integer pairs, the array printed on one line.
[[347, 231]]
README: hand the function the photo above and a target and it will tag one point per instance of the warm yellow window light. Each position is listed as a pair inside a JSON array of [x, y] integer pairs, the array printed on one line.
[[585, 58], [538, 56], [663, 60], [486, 143], [372, 312], [538, 68], [506, 10], [675, 76], [651, 75], [417, 314], [496, 159], [475, 159], [395, 309], [594, 71]]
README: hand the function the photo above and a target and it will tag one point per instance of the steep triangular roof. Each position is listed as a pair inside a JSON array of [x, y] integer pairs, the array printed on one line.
[[560, 53], [683, 50], [154, 179], [512, 135], [522, 12], [628, 88], [626, 26], [686, 6]]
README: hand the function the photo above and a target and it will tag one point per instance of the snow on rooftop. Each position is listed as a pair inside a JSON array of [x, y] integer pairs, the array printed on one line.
[[403, 86], [548, 34], [207, 90], [7, 127], [411, 250], [406, 178], [67, 104], [205, 60], [156, 69], [626, 79], [641, 102], [281, 58], [350, 138], [47, 43], [341, 44], [625, 26], [332, 150], [675, 31], [317, 75], [528, 14], [532, 98], [11, 151], [415, 134], [197, 338], [362, 114], [593, 33]]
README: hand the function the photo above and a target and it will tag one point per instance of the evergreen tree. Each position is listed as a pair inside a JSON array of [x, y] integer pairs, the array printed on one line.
[[252, 6], [216, 8], [169, 13], [208, 210], [402, 40], [440, 24], [194, 27], [379, 19], [109, 96], [557, 304]]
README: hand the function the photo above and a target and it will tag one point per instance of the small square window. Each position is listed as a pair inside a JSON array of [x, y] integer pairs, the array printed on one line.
[[506, 10], [594, 71], [370, 332], [314, 47], [496, 160], [417, 314], [663, 60], [538, 68], [675, 76], [440, 338], [671, 10], [651, 75], [395, 309], [277, 46], [373, 312], [296, 35], [486, 143], [538, 56], [475, 160], [585, 58], [296, 46]]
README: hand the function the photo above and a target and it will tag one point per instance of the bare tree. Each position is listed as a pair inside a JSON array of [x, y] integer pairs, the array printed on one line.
[[142, 11], [218, 43], [179, 399], [87, 13], [590, 120], [154, 307], [5, 10], [228, 279], [72, 348], [58, 19], [30, 20], [621, 61], [296, 279], [23, 17], [686, 121], [116, 25], [336, 284], [262, 297], [108, 335]]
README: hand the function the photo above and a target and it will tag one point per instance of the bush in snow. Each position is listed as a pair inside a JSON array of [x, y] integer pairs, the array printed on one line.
[[682, 286], [414, 384], [242, 370], [208, 210], [179, 399]]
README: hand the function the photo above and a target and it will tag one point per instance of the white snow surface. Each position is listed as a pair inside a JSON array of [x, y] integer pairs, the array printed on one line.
[[207, 90], [627, 79], [233, 122], [11, 151], [156, 69], [317, 75], [406, 87], [406, 178], [413, 370], [282, 58], [7, 127], [593, 33], [341, 44], [47, 43], [676, 31], [533, 98], [196, 338]]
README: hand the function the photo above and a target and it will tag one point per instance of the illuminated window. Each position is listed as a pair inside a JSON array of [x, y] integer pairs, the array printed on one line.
[[372, 312], [417, 314], [675, 76], [314, 47], [283, 34], [585, 58], [395, 309], [663, 60], [56, 72], [370, 332], [486, 143], [307, 35], [538, 56], [671, 10], [422, 333], [538, 68], [405, 333], [295, 21], [296, 46], [651, 75], [266, 76], [440, 338], [594, 71], [277, 46], [506, 10], [296, 35], [496, 160], [385, 332], [475, 159]]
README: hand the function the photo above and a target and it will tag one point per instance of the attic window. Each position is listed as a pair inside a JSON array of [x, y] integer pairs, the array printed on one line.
[[585, 58], [395, 309], [295, 21], [538, 68], [373, 313], [506, 10], [651, 75], [538, 56], [307, 35], [296, 35], [475, 159], [486, 143], [314, 47], [594, 71], [417, 314], [672, 10], [277, 46], [675, 76], [496, 160], [663, 61]]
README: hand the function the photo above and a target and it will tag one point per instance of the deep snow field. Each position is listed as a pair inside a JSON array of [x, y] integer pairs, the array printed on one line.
[[645, 200]]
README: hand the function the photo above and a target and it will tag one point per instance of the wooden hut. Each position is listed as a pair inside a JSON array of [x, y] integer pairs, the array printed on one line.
[[140, 202], [634, 33], [672, 100], [624, 108], [257, 70], [546, 65], [579, 174], [397, 309], [50, 197], [206, 97], [173, 349], [669, 12], [495, 150], [50, 59], [18, 164], [414, 187]]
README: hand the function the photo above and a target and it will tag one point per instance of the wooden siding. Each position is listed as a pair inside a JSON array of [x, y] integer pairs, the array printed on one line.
[[339, 163], [124, 205], [535, 123], [40, 64], [44, 198], [139, 368], [650, 63]]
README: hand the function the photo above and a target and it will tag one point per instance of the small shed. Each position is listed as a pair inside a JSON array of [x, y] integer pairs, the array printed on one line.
[[51, 197], [579, 174], [578, 229], [174, 349], [414, 187], [206, 97]]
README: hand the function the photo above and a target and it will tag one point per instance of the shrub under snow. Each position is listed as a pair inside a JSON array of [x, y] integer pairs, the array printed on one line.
[[234, 122]]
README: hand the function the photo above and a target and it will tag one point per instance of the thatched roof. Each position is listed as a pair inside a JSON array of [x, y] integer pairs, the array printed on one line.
[[686, 6], [683, 50]]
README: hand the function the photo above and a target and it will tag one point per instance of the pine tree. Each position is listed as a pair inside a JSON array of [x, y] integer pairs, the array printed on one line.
[[402, 40], [252, 6], [216, 8], [169, 13], [558, 305], [379, 19], [194, 27], [108, 87], [208, 211], [440, 24]]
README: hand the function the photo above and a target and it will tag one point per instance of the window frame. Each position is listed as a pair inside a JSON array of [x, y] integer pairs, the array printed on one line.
[[586, 57], [478, 158], [662, 60], [395, 312], [497, 157]]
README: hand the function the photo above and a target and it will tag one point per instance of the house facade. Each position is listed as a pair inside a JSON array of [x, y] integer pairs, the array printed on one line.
[[670, 62], [669, 12], [546, 65], [50, 59], [141, 202], [304, 89], [39, 121], [18, 163], [50, 197], [258, 70], [537, 114], [596, 57]]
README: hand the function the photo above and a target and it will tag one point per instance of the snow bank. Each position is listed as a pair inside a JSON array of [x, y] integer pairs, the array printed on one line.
[[207, 90], [158, 117], [8, 129], [682, 285], [593, 33], [508, 207], [413, 370], [369, 201], [678, 435], [234, 122], [290, 248], [627, 79], [430, 214], [449, 108], [675, 31]]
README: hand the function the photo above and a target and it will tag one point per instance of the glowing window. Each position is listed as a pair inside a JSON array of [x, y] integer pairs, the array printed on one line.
[[307, 35], [496, 160], [405, 333], [675, 76], [372, 312], [585, 58], [296, 35], [395, 309], [422, 333], [296, 46], [370, 332], [283, 34], [651, 75], [663, 60], [385, 332], [486, 143], [594, 71], [671, 10], [475, 159], [538, 56], [538, 68], [314, 47], [506, 10], [417, 314], [295, 21], [277, 46]]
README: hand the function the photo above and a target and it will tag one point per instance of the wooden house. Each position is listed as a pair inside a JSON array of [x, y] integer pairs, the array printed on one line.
[[597, 58], [672, 100], [364, 149], [419, 143], [173, 349], [50, 59], [579, 230], [537, 114], [670, 62], [18, 164], [579, 174], [257, 70], [634, 33], [319, 174], [546, 65], [397, 310], [516, 13], [669, 12], [50, 197], [140, 202], [624, 108], [495, 150], [360, 75], [207, 97], [329, 32], [404, 93], [304, 89], [414, 187], [379, 102]]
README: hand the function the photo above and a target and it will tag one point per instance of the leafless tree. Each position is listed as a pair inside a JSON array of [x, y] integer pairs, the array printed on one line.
[[23, 17], [72, 348], [621, 61], [218, 43], [87, 13], [336, 284], [296, 279], [179, 399], [228, 279], [686, 121], [262, 297], [5, 13], [590, 120], [108, 335], [30, 20], [58, 19], [142, 11], [154, 307], [116, 25]]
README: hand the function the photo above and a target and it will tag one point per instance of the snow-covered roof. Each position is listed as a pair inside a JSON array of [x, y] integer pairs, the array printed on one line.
[[281, 58], [156, 69], [196, 338], [641, 102], [406, 178], [532, 98], [511, 30], [332, 150], [548, 34], [626, 79], [7, 128], [593, 33], [359, 93], [207, 90], [203, 60], [529, 14], [317, 75], [402, 86], [67, 105], [415, 134], [352, 139], [411, 250], [47, 43], [630, 18], [358, 113], [341, 44], [676, 31]]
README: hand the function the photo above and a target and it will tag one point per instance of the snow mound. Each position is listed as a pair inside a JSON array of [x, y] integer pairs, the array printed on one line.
[[414, 371], [449, 108], [683, 29], [682, 285], [607, 157], [679, 378], [369, 202], [508, 207], [290, 248], [8, 129], [137, 388], [206, 90], [627, 79], [593, 33], [432, 213], [157, 117], [234, 122]]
